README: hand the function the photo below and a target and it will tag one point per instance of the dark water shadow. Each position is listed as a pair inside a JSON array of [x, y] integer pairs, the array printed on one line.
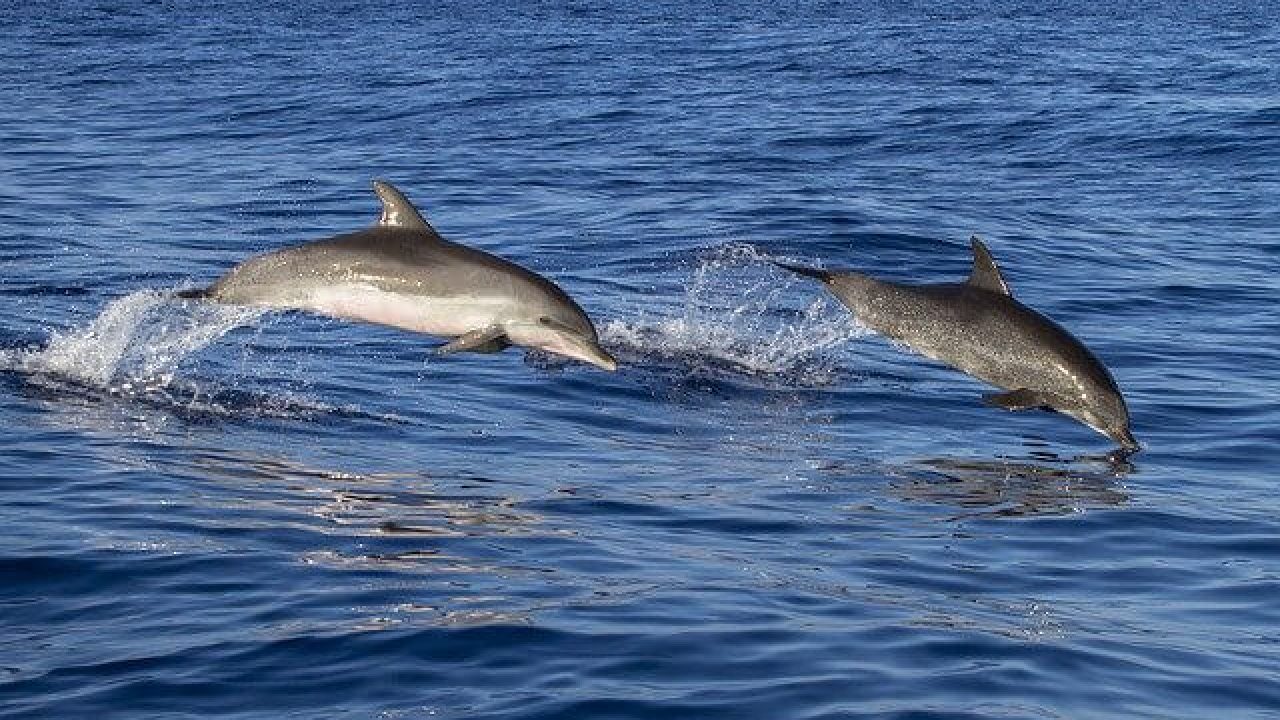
[[1039, 484], [194, 401], [418, 547], [342, 502]]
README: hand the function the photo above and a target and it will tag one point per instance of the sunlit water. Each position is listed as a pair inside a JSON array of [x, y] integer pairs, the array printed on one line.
[[768, 512]]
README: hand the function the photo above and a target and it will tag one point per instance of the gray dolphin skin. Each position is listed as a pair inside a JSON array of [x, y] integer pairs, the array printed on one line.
[[978, 328], [402, 273]]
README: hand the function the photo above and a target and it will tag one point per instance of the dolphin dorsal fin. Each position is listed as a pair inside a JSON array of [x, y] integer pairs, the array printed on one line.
[[986, 274], [397, 211]]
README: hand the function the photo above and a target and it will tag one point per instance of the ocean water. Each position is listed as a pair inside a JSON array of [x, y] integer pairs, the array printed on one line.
[[767, 512]]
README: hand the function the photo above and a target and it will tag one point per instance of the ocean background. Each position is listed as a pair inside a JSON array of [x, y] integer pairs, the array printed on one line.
[[767, 512]]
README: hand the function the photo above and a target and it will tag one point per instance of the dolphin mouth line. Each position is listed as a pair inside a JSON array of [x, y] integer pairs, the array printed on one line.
[[1127, 441], [592, 354], [1123, 437], [605, 361]]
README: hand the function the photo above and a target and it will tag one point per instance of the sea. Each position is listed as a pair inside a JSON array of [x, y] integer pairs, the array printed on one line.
[[768, 511]]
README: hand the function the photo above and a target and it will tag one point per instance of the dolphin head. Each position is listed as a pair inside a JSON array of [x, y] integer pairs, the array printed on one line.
[[563, 331], [1104, 410]]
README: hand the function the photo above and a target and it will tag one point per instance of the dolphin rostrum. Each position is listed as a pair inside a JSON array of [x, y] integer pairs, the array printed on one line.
[[402, 273], [978, 328]]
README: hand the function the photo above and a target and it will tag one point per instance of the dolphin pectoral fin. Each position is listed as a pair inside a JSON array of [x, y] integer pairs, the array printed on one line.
[[495, 345], [489, 339], [193, 294], [1020, 399]]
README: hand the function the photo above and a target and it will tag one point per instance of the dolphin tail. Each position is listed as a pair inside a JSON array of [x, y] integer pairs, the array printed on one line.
[[193, 294], [813, 272]]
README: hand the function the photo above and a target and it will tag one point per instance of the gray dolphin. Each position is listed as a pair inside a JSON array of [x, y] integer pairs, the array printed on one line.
[[978, 328], [402, 273]]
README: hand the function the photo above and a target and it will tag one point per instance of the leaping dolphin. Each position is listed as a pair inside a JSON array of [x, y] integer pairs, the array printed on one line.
[[978, 328], [402, 273]]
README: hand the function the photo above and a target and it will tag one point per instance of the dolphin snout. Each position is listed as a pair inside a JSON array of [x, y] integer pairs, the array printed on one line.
[[1126, 439], [601, 359]]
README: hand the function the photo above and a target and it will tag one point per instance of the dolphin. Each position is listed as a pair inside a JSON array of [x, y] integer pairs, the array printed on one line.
[[977, 327], [402, 273]]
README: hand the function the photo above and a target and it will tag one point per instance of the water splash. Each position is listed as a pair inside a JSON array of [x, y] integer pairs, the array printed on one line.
[[135, 348], [740, 317], [135, 344]]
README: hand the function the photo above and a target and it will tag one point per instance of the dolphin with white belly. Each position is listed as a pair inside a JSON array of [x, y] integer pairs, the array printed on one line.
[[978, 328], [402, 273]]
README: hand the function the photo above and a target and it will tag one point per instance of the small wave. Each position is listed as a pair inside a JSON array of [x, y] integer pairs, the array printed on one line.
[[740, 317]]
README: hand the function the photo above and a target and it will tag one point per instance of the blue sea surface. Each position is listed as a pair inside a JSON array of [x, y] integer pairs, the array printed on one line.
[[767, 512]]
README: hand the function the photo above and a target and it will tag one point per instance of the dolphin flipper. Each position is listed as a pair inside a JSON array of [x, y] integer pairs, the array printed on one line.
[[1020, 399], [489, 339]]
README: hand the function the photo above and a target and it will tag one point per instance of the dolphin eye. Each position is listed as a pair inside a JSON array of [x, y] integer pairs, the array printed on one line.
[[544, 320]]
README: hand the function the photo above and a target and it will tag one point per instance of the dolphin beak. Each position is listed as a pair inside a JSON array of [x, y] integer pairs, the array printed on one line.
[[602, 359], [1126, 439], [559, 339]]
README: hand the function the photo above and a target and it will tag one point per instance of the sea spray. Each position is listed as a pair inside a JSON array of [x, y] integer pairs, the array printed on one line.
[[134, 349], [740, 315], [137, 342]]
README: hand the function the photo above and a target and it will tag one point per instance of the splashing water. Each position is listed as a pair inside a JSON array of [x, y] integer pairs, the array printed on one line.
[[740, 316], [135, 348], [136, 344]]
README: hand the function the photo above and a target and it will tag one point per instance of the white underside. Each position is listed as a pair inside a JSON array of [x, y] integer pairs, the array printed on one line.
[[435, 316], [446, 317]]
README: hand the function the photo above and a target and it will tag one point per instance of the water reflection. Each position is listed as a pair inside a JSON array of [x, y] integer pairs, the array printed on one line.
[[405, 505], [1043, 483], [139, 410], [428, 546]]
